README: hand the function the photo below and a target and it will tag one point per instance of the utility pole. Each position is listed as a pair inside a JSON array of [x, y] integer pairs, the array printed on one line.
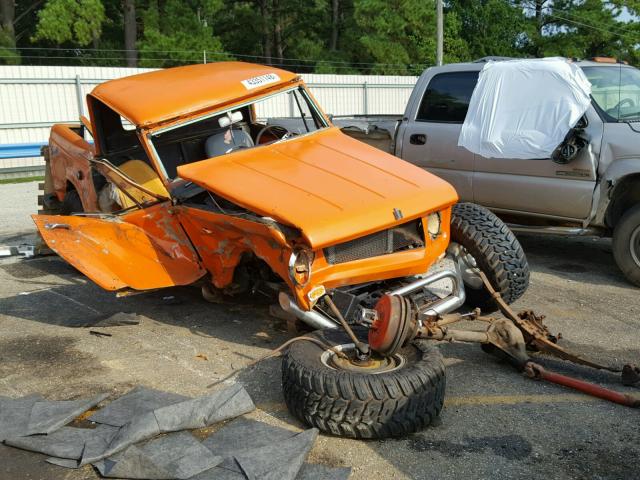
[[439, 32]]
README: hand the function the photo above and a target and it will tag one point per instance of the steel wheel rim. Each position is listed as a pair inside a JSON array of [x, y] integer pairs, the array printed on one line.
[[384, 365], [634, 245]]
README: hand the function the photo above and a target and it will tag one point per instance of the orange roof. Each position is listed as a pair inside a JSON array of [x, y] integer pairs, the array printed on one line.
[[155, 97]]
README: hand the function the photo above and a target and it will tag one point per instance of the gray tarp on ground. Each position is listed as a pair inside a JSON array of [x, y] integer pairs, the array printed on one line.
[[134, 403], [177, 455], [32, 414], [278, 461], [190, 414], [14, 415], [312, 471], [66, 442], [243, 442], [244, 449]]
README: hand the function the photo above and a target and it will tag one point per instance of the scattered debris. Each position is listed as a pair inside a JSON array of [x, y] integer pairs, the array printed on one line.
[[116, 320], [172, 300], [25, 250], [99, 334]]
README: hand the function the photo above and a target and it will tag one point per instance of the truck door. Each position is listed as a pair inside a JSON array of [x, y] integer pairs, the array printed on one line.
[[142, 247], [541, 187], [430, 135]]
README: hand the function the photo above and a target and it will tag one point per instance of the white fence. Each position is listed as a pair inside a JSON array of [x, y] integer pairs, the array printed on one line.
[[32, 98]]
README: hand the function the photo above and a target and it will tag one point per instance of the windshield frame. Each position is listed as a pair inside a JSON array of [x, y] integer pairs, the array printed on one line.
[[607, 117], [301, 87]]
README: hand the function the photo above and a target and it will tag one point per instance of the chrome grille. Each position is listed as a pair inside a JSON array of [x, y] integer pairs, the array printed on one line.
[[403, 237]]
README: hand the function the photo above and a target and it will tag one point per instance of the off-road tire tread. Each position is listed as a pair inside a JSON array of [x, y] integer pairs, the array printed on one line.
[[496, 250], [359, 405]]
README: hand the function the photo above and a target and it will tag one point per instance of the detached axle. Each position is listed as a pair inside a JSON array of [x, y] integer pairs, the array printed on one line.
[[397, 324]]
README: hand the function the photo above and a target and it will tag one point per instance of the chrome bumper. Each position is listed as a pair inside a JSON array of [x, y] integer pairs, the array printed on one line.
[[448, 304]]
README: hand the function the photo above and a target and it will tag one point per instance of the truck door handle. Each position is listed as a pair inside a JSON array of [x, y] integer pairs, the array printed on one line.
[[418, 139]]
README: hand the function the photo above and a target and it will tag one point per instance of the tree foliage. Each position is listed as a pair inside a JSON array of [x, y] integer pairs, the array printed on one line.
[[178, 32], [75, 21], [340, 36]]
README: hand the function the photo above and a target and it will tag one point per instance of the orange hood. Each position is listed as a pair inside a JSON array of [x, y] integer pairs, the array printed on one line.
[[330, 186]]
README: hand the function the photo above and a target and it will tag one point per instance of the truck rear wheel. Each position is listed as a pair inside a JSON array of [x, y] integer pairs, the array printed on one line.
[[390, 397], [495, 250], [626, 244]]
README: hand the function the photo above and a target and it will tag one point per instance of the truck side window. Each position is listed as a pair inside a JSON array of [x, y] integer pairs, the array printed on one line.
[[447, 97]]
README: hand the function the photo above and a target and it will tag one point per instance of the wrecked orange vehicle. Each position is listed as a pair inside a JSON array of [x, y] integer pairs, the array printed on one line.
[[230, 175]]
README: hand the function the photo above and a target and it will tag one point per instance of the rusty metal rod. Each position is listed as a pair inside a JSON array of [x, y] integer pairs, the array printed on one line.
[[362, 347], [536, 371], [447, 334]]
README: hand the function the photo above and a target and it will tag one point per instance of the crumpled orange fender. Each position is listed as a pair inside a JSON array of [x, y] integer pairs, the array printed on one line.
[[124, 252]]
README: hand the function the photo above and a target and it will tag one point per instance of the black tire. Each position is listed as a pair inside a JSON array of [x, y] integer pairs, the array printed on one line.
[[363, 405], [626, 244], [71, 203], [496, 251]]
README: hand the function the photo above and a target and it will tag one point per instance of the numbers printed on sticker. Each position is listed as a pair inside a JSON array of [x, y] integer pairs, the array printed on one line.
[[260, 80]]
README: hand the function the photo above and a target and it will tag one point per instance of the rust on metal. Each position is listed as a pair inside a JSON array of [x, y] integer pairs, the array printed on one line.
[[536, 334], [535, 371]]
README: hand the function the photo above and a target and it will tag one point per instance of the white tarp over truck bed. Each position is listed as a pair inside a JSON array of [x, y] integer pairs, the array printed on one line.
[[524, 108]]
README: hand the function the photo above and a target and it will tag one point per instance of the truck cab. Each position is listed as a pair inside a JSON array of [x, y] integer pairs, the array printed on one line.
[[597, 192]]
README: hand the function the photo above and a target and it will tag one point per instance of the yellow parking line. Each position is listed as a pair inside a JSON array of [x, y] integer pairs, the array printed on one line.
[[274, 407], [518, 399]]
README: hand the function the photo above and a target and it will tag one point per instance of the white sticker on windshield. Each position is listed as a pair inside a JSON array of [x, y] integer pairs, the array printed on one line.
[[260, 80]]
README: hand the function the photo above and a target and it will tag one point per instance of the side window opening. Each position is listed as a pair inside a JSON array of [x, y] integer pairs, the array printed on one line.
[[447, 97], [123, 175], [118, 139]]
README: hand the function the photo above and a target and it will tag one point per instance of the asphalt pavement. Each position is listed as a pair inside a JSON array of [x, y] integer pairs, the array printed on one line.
[[496, 423]]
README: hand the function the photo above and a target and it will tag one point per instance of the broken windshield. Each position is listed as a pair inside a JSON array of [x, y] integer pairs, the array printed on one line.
[[270, 119], [616, 90]]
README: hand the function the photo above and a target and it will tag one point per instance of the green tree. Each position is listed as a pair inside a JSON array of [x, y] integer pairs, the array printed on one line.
[[8, 54], [75, 21], [490, 27], [397, 32], [179, 32], [583, 29]]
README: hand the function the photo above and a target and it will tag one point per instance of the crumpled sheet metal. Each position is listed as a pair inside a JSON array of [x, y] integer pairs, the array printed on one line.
[[137, 401], [174, 456], [32, 414], [190, 414]]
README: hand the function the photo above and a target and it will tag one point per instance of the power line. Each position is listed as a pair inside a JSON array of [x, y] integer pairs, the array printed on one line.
[[193, 61], [575, 22], [199, 52]]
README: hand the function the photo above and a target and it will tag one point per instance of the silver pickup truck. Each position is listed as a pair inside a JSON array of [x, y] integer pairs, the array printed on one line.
[[596, 193]]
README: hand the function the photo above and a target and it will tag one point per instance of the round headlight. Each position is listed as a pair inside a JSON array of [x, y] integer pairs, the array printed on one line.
[[300, 266], [434, 224]]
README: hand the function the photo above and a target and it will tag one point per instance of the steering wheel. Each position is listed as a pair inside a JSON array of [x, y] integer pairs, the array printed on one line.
[[620, 104], [273, 129]]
